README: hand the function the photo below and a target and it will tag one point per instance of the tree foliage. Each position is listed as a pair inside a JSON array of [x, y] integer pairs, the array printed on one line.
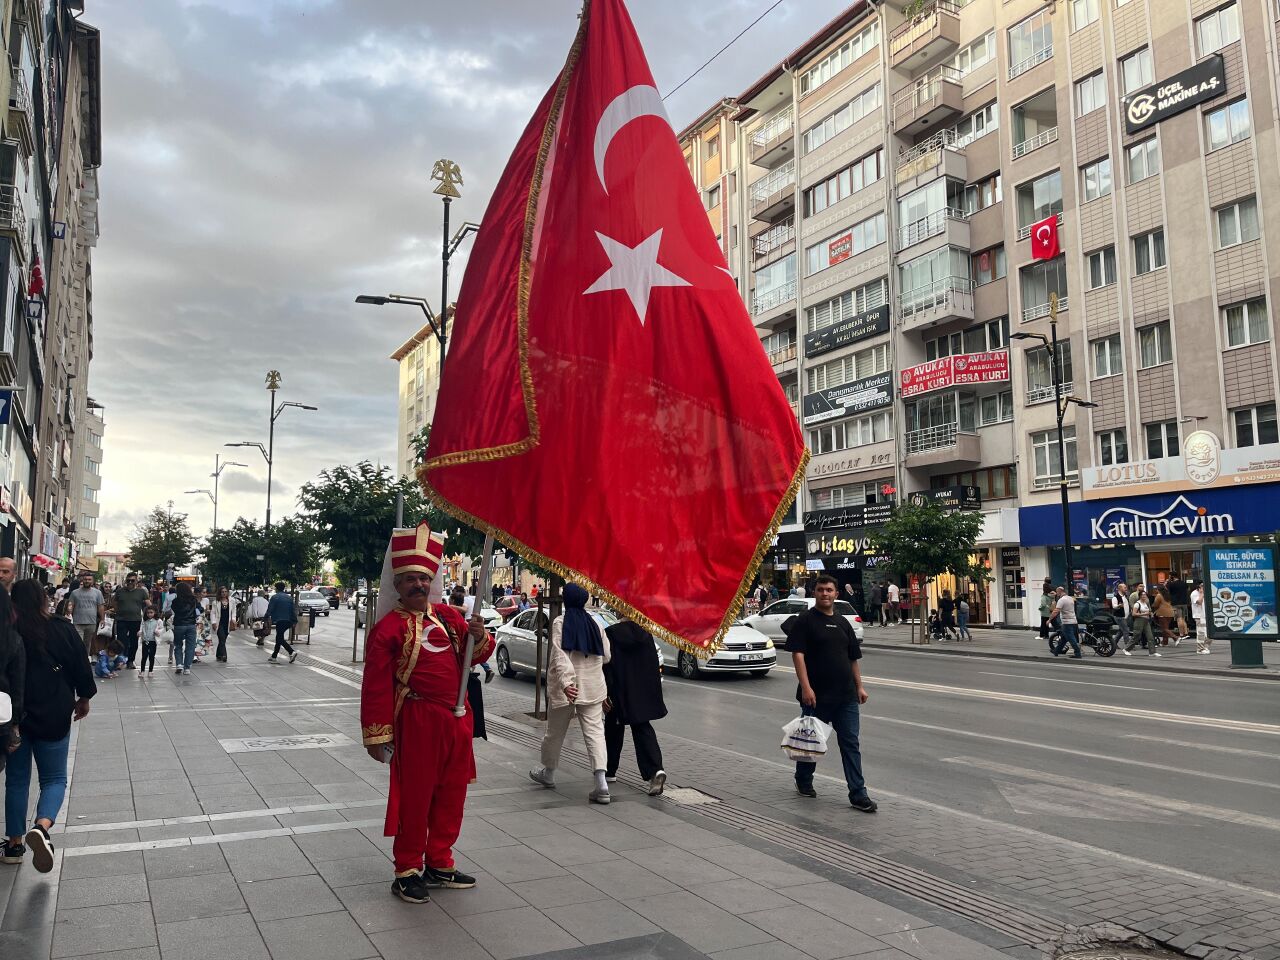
[[926, 540], [291, 554], [161, 539]]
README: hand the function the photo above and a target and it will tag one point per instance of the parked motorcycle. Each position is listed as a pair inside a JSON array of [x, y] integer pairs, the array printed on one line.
[[1102, 633]]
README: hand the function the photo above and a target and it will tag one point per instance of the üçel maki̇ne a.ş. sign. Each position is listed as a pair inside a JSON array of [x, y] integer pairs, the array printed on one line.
[[1160, 101]]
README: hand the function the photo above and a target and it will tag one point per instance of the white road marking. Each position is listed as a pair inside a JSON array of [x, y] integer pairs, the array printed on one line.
[[1083, 683], [1213, 747]]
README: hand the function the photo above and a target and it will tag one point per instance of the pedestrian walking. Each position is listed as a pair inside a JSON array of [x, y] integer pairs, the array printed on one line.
[[8, 569], [88, 608], [1048, 609], [166, 602], [891, 605], [1140, 607], [282, 614], [947, 614], [576, 688], [57, 687], [128, 603], [633, 677], [825, 651], [904, 605], [1197, 613], [1162, 614], [1068, 626], [962, 619], [184, 611], [258, 616], [149, 636], [222, 620], [1119, 602], [875, 605], [414, 663], [13, 673]]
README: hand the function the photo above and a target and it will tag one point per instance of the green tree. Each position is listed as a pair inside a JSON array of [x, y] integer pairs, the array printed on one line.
[[924, 540], [230, 555], [161, 539], [291, 554]]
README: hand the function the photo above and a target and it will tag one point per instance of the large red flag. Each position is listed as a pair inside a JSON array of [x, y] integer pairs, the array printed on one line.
[[607, 410], [1044, 238]]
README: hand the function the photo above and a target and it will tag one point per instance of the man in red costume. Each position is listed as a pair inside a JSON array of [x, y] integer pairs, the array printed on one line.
[[412, 674]]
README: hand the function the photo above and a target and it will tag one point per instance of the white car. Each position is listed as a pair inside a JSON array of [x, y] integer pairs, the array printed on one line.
[[744, 650], [769, 621], [517, 643], [313, 601]]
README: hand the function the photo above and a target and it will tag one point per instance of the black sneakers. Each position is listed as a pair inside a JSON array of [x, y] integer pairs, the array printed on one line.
[[449, 879], [865, 804], [13, 852], [806, 790], [411, 889], [41, 848]]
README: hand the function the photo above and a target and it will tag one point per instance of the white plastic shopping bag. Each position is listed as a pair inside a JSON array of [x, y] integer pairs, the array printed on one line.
[[805, 738]]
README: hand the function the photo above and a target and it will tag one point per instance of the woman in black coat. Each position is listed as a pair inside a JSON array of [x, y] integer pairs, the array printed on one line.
[[634, 678], [13, 672]]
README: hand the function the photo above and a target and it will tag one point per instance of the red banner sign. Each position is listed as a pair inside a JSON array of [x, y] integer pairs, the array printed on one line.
[[961, 369], [839, 249]]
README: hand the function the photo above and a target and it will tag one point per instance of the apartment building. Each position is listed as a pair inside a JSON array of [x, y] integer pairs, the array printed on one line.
[[419, 360], [87, 457], [891, 169]]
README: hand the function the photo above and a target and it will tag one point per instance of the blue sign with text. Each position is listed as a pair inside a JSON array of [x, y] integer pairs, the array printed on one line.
[[1240, 590]]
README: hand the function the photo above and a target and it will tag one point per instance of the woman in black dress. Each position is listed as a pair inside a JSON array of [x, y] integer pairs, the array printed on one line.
[[634, 679]]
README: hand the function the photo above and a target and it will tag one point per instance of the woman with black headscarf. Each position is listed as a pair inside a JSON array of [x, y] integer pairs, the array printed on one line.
[[576, 687], [634, 676]]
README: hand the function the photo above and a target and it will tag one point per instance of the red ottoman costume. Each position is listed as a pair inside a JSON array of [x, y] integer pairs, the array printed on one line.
[[413, 669]]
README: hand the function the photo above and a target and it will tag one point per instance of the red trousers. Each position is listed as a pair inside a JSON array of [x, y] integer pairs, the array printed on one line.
[[430, 770]]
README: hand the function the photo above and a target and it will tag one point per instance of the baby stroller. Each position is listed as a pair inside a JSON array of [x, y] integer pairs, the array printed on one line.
[[939, 632]]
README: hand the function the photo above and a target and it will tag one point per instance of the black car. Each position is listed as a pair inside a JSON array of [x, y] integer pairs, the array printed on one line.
[[330, 594]]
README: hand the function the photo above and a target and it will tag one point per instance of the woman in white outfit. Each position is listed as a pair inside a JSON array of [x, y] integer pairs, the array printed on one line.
[[576, 687]]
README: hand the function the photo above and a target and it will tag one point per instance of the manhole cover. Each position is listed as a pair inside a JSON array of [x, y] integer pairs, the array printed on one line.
[[689, 796], [302, 741]]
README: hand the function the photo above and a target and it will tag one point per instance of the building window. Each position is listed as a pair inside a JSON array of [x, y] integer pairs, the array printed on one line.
[[856, 366], [1215, 30], [90, 495], [1039, 198], [1037, 282], [848, 434], [849, 495], [1255, 425], [995, 409], [994, 483], [841, 119], [984, 337], [1030, 42], [1040, 371], [1143, 159], [1237, 222], [1091, 94], [91, 466], [713, 147], [1247, 322], [847, 182], [1083, 12], [1095, 179], [713, 197], [988, 266], [1113, 448], [862, 237], [1228, 125], [1148, 252], [1035, 122], [1136, 70], [1102, 267], [775, 284], [1155, 345], [1044, 451], [1162, 439], [1107, 359], [976, 54], [982, 194], [834, 62], [848, 304], [921, 280], [91, 523], [978, 124]]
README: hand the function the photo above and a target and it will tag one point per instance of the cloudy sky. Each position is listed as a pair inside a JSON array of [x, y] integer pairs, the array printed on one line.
[[267, 160]]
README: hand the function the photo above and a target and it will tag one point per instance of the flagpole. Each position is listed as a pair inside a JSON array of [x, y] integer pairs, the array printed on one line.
[[460, 708]]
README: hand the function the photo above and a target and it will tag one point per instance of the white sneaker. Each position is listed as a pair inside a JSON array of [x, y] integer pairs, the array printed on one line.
[[599, 796], [543, 776], [1156, 654], [186, 671], [657, 783], [1126, 653], [1176, 641], [1205, 650]]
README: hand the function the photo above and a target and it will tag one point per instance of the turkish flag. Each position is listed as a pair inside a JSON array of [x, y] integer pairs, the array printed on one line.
[[1044, 238], [607, 410]]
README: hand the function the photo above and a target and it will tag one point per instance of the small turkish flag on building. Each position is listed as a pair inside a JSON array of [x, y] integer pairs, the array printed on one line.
[[1044, 238], [606, 410]]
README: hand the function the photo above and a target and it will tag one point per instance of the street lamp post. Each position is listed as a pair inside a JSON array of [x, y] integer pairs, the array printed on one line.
[[1060, 405], [218, 467]]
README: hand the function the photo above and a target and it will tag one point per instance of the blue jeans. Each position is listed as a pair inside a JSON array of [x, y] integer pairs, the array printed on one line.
[[184, 644], [51, 762], [1070, 633], [964, 625], [844, 717]]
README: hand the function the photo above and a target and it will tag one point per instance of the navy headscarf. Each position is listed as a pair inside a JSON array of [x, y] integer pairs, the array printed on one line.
[[579, 631]]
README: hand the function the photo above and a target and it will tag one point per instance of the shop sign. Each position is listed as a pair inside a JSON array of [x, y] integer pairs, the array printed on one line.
[[853, 547], [847, 331], [863, 515], [1160, 101], [848, 461], [840, 249], [857, 397], [959, 370], [1203, 464], [1240, 592], [1010, 557], [952, 498]]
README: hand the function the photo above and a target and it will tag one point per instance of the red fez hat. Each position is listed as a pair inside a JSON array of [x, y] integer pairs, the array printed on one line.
[[416, 550]]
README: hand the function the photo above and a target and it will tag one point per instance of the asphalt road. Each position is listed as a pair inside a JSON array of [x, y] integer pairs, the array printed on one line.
[[1172, 770]]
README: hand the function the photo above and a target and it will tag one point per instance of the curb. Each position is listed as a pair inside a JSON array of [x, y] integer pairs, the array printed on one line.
[[1133, 663]]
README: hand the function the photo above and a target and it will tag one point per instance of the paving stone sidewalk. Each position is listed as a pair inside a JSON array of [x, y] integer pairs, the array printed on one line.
[[231, 815]]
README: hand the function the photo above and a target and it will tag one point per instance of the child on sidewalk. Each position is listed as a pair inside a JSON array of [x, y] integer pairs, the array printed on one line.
[[149, 634]]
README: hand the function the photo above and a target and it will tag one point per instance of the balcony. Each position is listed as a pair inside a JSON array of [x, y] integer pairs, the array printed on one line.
[[928, 103], [950, 298], [945, 444], [945, 221], [1041, 139], [21, 116], [926, 38], [786, 354], [774, 195], [772, 299], [1039, 311], [1037, 58], [941, 155], [13, 219], [774, 241], [1053, 481], [771, 144], [1044, 394], [1024, 233]]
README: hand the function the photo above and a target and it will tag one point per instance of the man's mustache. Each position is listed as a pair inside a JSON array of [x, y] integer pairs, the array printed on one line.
[[417, 591]]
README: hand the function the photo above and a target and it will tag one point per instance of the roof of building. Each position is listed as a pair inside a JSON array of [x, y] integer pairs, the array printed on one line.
[[406, 348], [720, 106]]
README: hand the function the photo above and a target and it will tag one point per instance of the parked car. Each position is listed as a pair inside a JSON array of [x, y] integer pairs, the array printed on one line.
[[517, 644], [362, 603], [331, 595], [313, 601], [508, 607], [744, 650], [769, 620]]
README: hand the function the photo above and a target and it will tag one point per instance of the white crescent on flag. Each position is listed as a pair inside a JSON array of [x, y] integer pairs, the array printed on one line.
[[631, 104]]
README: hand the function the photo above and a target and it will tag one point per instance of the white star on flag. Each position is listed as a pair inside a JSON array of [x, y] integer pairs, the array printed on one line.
[[635, 271]]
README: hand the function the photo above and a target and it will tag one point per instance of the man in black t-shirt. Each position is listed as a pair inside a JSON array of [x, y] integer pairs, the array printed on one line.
[[825, 652]]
